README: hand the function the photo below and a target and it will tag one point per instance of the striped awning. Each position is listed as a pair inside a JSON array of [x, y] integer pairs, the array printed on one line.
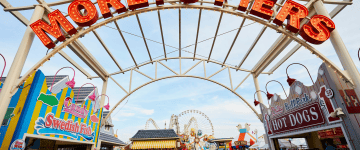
[[154, 144]]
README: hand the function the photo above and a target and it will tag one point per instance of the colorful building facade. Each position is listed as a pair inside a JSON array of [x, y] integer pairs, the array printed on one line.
[[37, 113]]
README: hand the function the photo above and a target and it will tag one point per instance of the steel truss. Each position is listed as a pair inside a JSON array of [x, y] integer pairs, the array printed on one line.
[[80, 50]]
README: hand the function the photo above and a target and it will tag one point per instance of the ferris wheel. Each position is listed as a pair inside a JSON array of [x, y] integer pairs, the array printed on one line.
[[194, 119]]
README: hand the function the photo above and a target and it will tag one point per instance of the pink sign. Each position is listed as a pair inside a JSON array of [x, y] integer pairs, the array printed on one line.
[[74, 109]]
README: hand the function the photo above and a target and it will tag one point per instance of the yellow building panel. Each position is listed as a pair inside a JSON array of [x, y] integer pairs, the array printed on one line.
[[154, 144]]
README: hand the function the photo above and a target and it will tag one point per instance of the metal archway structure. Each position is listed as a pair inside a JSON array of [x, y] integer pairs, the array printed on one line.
[[286, 37], [153, 122]]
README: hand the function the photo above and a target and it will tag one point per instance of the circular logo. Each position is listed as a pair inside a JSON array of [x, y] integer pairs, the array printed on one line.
[[329, 93], [18, 145]]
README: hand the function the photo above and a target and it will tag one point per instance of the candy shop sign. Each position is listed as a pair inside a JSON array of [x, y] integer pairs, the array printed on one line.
[[74, 109], [316, 31], [52, 125], [308, 116]]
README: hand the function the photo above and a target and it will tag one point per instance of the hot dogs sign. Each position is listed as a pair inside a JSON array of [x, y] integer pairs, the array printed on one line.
[[307, 106]]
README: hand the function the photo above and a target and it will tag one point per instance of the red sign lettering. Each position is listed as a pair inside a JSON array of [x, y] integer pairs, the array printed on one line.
[[351, 100], [105, 4], [243, 5], [307, 116], [219, 2], [317, 30], [134, 4], [56, 18], [84, 13], [262, 8], [294, 13], [86, 18]]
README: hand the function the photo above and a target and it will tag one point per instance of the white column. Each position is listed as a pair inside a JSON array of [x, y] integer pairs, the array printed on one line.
[[18, 63], [340, 48], [103, 91], [102, 102], [257, 87]]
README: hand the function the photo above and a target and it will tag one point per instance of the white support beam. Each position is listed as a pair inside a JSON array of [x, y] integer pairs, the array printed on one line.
[[143, 36], [216, 72], [119, 85], [76, 65], [242, 81], [252, 46], [16, 14], [107, 49], [103, 93], [80, 50], [180, 32], [168, 68], [286, 57], [127, 46], [279, 45], [18, 64], [340, 49], [192, 67], [84, 54], [230, 79], [217, 29], [261, 33], [144, 74], [19, 8], [161, 31]]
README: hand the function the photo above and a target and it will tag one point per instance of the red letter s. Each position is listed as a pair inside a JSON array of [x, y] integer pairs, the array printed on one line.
[[318, 29], [48, 121]]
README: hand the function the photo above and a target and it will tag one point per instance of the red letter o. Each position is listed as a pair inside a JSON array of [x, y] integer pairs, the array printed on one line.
[[90, 16]]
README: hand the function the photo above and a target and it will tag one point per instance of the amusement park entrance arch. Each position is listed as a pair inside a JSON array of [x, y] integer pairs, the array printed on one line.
[[314, 6]]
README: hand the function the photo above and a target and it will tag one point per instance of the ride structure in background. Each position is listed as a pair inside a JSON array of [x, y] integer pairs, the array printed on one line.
[[150, 120]]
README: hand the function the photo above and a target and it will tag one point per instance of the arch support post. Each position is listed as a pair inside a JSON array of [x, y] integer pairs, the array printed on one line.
[[102, 101], [340, 49], [257, 87], [18, 63]]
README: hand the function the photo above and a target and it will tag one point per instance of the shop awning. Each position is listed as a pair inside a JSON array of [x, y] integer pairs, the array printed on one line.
[[154, 144]]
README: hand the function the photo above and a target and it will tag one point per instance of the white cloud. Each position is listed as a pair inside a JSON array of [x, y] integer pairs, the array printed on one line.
[[127, 114]]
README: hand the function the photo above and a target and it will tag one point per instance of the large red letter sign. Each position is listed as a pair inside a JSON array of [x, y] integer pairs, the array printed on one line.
[[134, 4], [243, 5], [294, 12], [105, 4], [351, 100], [219, 2], [90, 15], [56, 18], [262, 8], [189, 1], [318, 29]]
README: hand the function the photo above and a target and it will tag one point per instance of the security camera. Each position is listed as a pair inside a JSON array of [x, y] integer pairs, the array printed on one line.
[[337, 113]]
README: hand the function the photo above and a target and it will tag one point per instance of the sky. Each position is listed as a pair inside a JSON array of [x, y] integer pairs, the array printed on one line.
[[159, 100]]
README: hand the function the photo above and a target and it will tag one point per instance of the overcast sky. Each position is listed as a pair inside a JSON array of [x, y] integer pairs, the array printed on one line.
[[161, 99]]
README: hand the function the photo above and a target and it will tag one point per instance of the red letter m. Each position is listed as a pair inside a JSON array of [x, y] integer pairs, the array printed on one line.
[[56, 18]]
